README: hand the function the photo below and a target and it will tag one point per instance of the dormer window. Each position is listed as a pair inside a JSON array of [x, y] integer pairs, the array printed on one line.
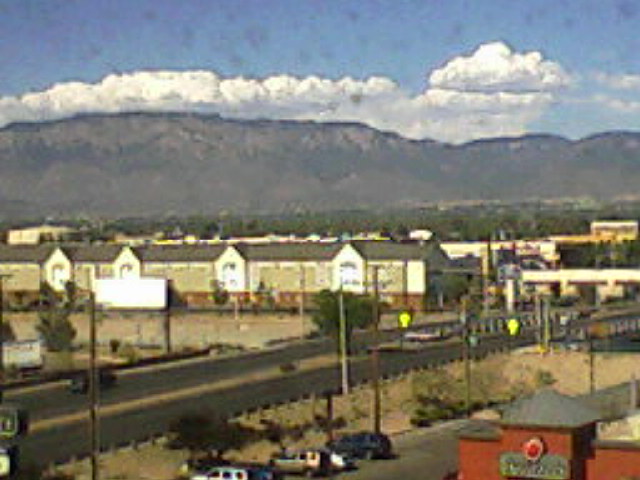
[[230, 275], [349, 275]]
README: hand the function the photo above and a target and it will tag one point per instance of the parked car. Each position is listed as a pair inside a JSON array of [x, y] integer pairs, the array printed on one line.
[[239, 472], [455, 475], [202, 464], [423, 336], [340, 462], [366, 445], [310, 462], [80, 381]]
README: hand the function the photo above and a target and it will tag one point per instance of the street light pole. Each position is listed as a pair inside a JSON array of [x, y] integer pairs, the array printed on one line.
[[303, 286], [3, 276], [343, 345], [375, 356], [94, 426], [466, 357], [592, 364]]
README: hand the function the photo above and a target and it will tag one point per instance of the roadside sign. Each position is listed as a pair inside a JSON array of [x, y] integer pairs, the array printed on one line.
[[5, 464], [8, 461], [513, 326], [405, 319], [13, 421]]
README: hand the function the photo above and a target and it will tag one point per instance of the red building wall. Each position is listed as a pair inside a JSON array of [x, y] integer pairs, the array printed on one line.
[[479, 457], [622, 462]]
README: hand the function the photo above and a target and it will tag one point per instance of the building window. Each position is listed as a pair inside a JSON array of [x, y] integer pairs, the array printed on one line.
[[126, 271], [58, 276], [230, 275], [349, 275]]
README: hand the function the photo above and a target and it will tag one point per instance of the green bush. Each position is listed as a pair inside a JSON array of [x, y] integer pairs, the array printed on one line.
[[434, 409], [288, 367], [128, 352], [114, 345], [544, 378]]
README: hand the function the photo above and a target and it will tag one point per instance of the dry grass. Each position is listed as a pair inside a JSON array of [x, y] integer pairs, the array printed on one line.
[[502, 374]]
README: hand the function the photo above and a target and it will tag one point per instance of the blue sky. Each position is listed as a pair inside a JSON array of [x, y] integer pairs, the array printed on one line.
[[452, 70]]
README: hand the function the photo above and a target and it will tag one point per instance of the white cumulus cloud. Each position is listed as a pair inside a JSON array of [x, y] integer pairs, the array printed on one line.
[[616, 104], [496, 67], [494, 91], [618, 81]]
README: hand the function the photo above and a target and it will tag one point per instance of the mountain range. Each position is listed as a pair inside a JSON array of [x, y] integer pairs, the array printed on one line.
[[140, 164]]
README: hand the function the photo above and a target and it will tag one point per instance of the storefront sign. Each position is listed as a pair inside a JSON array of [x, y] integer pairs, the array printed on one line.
[[547, 467]]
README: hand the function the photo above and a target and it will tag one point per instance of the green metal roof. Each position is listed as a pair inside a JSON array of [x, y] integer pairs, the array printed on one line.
[[289, 251], [548, 408], [179, 253], [92, 253], [386, 250], [26, 253]]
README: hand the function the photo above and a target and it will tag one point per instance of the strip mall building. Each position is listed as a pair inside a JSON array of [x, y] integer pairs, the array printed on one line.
[[548, 436]]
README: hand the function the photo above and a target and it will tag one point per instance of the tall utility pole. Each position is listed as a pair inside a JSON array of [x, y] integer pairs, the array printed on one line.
[[167, 319], [592, 363], [344, 366], [3, 276], [546, 316], [375, 356], [94, 425], [466, 357], [486, 270], [303, 287]]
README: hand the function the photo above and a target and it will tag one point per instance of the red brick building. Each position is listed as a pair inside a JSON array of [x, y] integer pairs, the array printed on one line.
[[547, 436]]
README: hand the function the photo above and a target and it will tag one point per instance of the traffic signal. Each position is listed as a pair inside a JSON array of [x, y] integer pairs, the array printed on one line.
[[405, 319], [513, 326]]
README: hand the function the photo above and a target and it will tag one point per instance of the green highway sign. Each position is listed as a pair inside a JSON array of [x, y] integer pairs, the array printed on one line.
[[13, 421]]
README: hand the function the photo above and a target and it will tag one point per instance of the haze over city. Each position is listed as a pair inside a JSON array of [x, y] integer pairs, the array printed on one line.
[[449, 71]]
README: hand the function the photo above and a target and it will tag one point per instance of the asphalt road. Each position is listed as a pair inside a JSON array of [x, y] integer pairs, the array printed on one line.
[[55, 399], [425, 454], [63, 442]]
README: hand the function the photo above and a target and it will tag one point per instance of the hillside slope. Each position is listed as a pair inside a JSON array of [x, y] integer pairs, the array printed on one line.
[[144, 163]]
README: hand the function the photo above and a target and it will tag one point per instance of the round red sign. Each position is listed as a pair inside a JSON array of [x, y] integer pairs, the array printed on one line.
[[533, 449]]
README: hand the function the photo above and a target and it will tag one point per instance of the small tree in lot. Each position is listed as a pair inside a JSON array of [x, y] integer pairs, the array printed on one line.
[[220, 294], [358, 312], [203, 432], [54, 326]]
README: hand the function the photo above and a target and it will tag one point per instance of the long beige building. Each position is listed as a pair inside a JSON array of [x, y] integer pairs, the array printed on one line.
[[285, 274]]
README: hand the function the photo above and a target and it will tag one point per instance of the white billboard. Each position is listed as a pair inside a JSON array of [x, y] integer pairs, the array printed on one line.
[[126, 293], [22, 354]]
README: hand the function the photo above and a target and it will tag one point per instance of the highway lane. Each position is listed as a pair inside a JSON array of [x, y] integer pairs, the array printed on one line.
[[62, 442], [54, 399]]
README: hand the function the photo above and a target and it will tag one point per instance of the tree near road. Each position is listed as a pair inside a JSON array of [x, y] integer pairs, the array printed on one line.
[[54, 326], [203, 432], [358, 312]]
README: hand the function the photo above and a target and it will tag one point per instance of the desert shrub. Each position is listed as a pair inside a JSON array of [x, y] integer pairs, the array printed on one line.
[[288, 367], [203, 431], [433, 409], [544, 378], [114, 345], [128, 352]]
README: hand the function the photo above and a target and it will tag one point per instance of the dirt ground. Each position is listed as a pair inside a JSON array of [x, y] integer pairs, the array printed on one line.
[[568, 372]]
